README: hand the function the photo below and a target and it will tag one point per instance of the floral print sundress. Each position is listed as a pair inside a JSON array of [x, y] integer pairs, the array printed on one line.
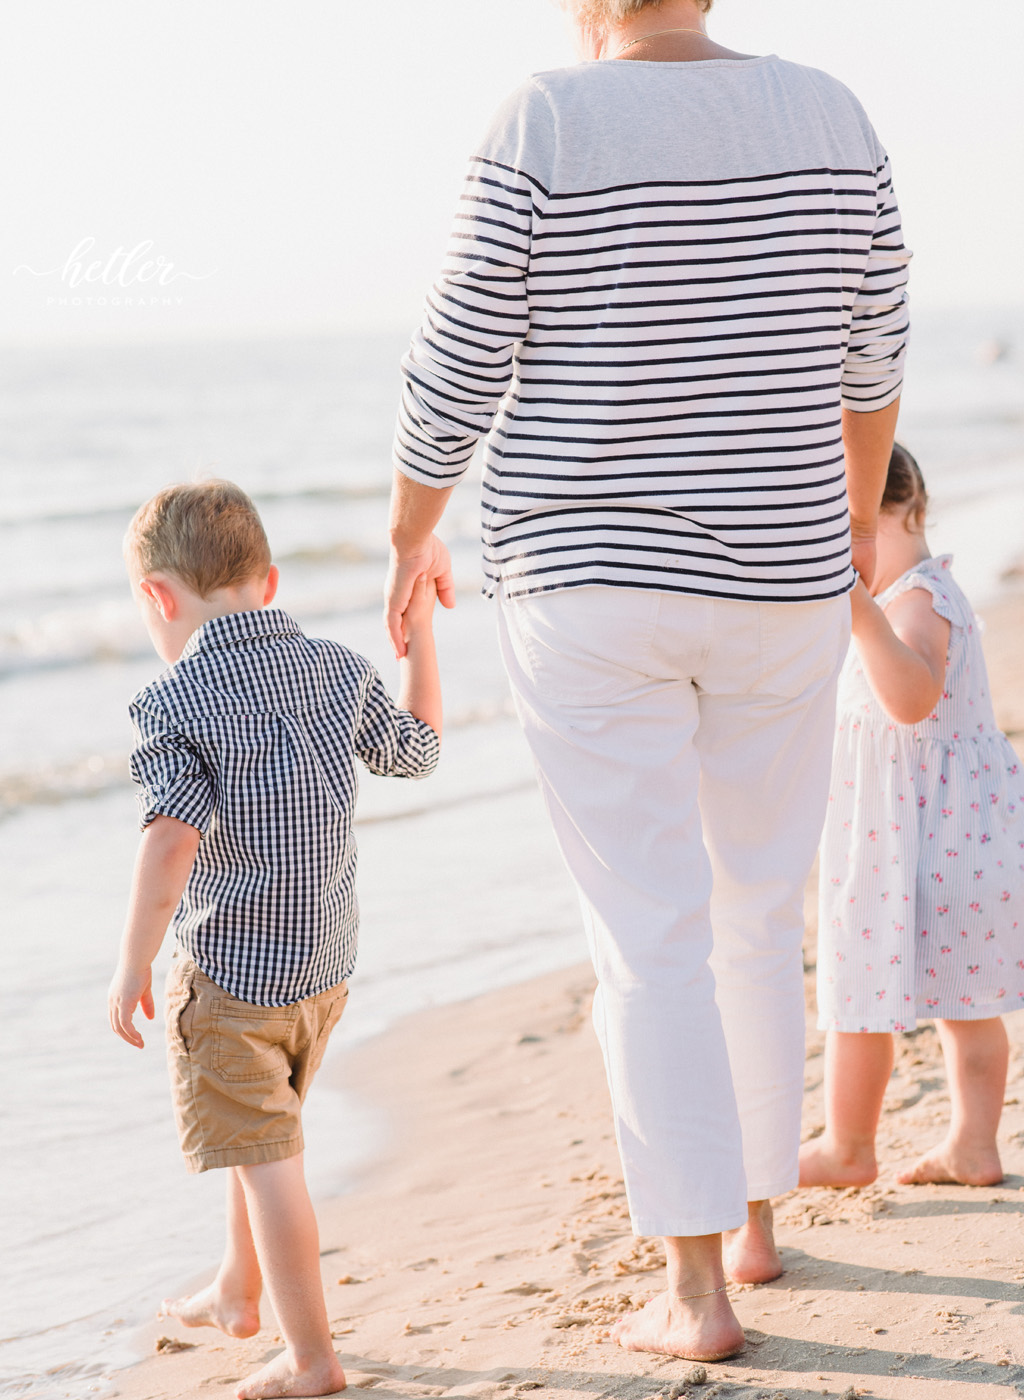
[[922, 856]]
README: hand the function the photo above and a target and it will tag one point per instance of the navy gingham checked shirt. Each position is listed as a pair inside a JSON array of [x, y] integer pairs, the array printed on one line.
[[251, 737]]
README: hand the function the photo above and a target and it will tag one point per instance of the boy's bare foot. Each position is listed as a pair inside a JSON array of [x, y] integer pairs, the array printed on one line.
[[209, 1308], [749, 1253], [823, 1164], [950, 1163], [703, 1329], [283, 1377]]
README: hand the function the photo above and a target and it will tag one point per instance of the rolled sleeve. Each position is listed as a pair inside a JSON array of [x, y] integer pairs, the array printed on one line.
[[880, 327], [392, 742], [462, 359], [172, 778]]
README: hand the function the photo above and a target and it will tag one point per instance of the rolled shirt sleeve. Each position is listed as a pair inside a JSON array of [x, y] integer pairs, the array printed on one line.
[[880, 327], [461, 361], [392, 742], [172, 778]]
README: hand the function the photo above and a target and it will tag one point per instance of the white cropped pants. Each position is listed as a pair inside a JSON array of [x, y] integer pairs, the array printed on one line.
[[683, 746]]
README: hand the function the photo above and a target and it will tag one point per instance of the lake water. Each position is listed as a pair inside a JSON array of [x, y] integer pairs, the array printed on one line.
[[460, 886]]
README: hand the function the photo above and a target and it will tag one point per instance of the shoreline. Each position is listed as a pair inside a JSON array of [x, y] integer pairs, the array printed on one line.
[[486, 1249]]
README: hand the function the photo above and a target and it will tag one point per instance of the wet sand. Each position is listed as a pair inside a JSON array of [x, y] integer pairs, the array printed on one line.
[[488, 1252]]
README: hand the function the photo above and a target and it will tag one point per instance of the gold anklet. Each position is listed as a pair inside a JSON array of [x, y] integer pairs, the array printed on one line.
[[686, 1297]]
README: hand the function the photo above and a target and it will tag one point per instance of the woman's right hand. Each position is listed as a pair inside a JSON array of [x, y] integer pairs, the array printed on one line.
[[430, 561]]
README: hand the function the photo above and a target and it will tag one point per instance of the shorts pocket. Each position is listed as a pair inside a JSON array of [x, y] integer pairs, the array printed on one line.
[[334, 1009], [249, 1043], [180, 1004]]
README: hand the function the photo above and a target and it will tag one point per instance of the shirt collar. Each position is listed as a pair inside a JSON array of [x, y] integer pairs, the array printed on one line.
[[230, 628]]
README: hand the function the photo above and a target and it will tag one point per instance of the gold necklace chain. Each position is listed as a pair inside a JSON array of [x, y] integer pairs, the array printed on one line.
[[657, 35]]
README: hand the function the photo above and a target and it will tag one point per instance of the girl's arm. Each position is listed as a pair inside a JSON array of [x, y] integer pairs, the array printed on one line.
[[903, 649]]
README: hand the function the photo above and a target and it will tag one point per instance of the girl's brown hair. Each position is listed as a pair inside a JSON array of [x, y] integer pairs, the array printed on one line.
[[904, 487]]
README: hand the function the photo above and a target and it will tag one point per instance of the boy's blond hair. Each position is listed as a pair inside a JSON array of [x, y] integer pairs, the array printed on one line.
[[207, 533]]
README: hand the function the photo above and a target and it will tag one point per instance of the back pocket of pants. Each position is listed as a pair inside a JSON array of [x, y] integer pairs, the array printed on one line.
[[250, 1041], [585, 646]]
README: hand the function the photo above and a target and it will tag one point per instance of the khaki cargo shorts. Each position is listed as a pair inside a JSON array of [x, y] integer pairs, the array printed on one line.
[[240, 1072]]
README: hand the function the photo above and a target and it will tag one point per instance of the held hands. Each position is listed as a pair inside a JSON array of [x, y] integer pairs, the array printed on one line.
[[414, 579], [129, 991], [862, 606], [862, 550], [420, 610]]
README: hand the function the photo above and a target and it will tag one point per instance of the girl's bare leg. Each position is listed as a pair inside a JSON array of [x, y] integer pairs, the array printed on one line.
[[977, 1055], [232, 1301], [699, 1328], [287, 1242], [857, 1069]]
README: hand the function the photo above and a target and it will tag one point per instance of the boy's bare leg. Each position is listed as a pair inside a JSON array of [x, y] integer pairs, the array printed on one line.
[[232, 1301], [750, 1252], [857, 1069], [977, 1056], [678, 1324], [287, 1241]]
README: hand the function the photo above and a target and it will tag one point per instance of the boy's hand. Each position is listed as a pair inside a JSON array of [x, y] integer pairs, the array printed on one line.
[[128, 991], [420, 609]]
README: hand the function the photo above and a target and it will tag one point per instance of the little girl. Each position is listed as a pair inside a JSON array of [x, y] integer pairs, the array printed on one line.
[[922, 882]]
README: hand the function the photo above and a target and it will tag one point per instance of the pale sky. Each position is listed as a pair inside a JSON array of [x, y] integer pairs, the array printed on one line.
[[295, 166]]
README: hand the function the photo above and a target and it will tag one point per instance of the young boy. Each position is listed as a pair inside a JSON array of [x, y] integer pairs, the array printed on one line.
[[245, 756]]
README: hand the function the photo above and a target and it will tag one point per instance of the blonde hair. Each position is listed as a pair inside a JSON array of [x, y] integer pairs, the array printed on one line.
[[208, 534], [599, 14]]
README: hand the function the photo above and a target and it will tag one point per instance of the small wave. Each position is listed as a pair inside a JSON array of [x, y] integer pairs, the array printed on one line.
[[95, 774], [14, 515], [339, 552], [52, 784], [63, 638]]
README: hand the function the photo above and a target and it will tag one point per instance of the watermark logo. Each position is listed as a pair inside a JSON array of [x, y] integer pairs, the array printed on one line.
[[102, 281]]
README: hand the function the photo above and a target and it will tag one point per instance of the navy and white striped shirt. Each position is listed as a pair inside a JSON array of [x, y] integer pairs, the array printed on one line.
[[664, 282], [251, 737]]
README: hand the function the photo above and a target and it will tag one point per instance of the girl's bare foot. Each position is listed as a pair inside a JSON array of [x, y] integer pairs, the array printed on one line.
[[750, 1253], [951, 1163], [822, 1163], [701, 1329], [238, 1317], [283, 1376]]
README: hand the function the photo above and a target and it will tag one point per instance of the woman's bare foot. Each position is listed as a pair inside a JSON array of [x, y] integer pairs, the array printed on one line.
[[822, 1163], [283, 1377], [238, 1317], [701, 1329], [749, 1253], [952, 1163]]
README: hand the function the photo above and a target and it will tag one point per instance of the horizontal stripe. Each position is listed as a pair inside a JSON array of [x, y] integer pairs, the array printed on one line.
[[658, 365]]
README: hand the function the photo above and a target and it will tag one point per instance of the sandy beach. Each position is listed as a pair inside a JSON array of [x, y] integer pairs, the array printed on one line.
[[487, 1251]]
